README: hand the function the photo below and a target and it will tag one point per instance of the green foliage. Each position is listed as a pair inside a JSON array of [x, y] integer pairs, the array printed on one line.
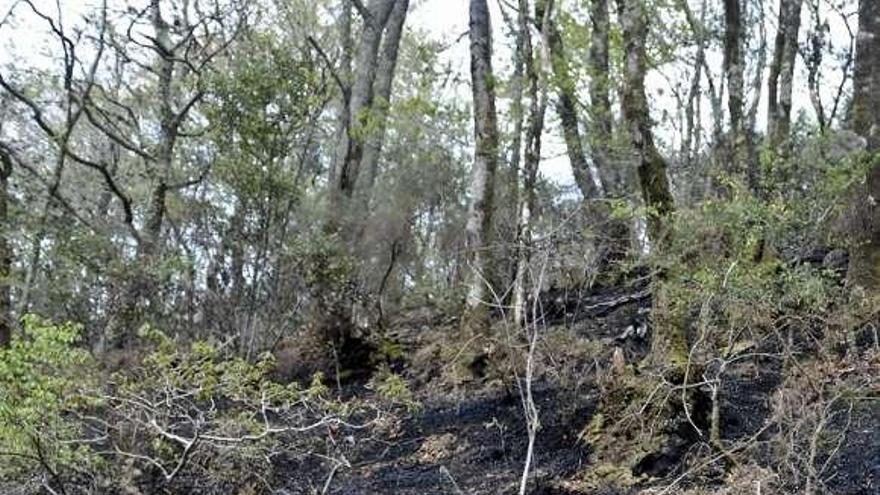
[[42, 377], [259, 109], [731, 270], [326, 265], [390, 386], [203, 371], [213, 416]]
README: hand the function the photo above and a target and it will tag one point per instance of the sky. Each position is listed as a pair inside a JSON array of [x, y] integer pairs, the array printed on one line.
[[447, 20]]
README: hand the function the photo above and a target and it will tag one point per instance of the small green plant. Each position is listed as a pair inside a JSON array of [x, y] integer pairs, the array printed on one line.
[[42, 379], [392, 387], [204, 417]]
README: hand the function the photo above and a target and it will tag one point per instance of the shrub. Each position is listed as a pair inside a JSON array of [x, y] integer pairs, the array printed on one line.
[[192, 417], [42, 379]]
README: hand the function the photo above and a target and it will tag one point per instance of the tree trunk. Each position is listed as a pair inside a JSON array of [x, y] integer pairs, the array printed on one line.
[[141, 286], [734, 72], [566, 108], [780, 82], [813, 60], [865, 266], [613, 179], [5, 252], [344, 71], [527, 200], [692, 139], [753, 165], [517, 112], [381, 101], [614, 234], [350, 148], [479, 221], [651, 165]]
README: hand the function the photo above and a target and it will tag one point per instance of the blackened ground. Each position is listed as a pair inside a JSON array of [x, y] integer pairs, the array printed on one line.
[[855, 470], [475, 445], [472, 439]]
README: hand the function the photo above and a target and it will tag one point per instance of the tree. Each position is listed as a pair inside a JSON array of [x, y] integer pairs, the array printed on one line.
[[865, 266], [382, 98], [356, 120], [614, 180], [482, 181], [182, 50], [527, 199], [360, 137], [780, 83], [566, 109], [74, 94], [734, 71], [5, 250], [651, 165]]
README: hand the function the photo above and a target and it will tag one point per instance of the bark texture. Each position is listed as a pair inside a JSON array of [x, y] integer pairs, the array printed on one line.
[[566, 109], [350, 147], [651, 164], [140, 289], [780, 82], [670, 342], [479, 222], [734, 72], [865, 266], [5, 251], [534, 131], [613, 179], [381, 101]]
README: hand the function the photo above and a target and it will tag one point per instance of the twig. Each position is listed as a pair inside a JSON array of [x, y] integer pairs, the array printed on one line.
[[451, 480]]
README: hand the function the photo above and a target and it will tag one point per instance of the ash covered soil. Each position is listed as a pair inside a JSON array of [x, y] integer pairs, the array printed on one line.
[[470, 437]]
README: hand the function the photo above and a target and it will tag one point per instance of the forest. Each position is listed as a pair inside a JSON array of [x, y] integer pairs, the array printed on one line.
[[546, 247]]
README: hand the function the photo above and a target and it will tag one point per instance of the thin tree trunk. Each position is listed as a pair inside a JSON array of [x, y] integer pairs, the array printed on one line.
[[514, 159], [5, 253], [479, 221], [566, 109], [780, 82], [734, 72], [528, 200], [692, 141], [613, 179], [350, 148], [517, 113], [345, 74], [813, 59], [752, 159], [141, 285], [381, 101]]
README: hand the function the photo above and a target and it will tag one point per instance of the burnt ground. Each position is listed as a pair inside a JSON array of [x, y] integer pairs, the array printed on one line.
[[472, 445], [470, 438], [476, 445]]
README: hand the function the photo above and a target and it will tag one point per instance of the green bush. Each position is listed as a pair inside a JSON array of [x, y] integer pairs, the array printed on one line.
[[193, 416], [43, 377]]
